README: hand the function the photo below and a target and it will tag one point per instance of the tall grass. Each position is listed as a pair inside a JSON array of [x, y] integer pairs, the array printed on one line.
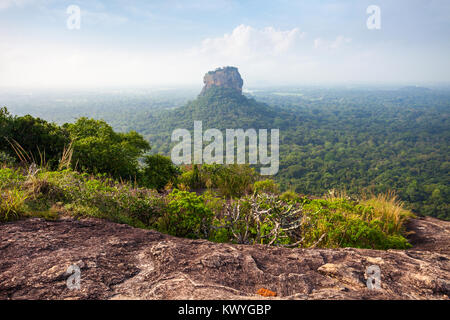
[[334, 195], [389, 210], [12, 204], [27, 159], [66, 157]]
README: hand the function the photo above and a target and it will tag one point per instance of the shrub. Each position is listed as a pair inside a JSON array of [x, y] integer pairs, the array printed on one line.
[[158, 172], [214, 203], [345, 223], [232, 181], [186, 215], [266, 186], [185, 180], [12, 204], [257, 219], [269, 219], [86, 195], [10, 178], [5, 158], [142, 205], [235, 180], [290, 196], [260, 218], [192, 179]]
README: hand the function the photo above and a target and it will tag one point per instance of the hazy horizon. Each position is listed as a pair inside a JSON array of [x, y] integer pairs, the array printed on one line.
[[247, 88], [173, 44]]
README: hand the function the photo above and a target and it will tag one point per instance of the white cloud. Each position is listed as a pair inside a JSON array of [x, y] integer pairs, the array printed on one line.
[[102, 18], [340, 41], [318, 43], [203, 5], [5, 4], [266, 54], [263, 56], [246, 42], [279, 56], [50, 64]]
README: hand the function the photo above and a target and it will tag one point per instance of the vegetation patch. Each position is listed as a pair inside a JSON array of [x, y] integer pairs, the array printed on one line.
[[260, 216], [222, 203]]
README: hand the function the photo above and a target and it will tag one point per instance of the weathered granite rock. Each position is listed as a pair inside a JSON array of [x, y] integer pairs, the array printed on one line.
[[227, 77], [121, 262]]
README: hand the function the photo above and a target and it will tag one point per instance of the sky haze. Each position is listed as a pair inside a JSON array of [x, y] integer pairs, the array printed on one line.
[[170, 43]]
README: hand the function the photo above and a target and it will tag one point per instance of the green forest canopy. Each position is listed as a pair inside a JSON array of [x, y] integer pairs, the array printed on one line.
[[357, 140]]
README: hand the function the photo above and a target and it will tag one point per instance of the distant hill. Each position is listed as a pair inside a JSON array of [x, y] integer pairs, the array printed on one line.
[[220, 105], [415, 89]]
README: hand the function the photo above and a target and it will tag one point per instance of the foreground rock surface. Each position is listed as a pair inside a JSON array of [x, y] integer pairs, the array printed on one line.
[[120, 262]]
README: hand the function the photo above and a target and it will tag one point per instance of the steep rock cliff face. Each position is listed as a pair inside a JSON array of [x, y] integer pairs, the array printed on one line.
[[121, 262], [227, 77]]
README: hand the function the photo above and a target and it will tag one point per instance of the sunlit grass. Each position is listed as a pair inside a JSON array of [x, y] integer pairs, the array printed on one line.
[[334, 195], [12, 204], [389, 210]]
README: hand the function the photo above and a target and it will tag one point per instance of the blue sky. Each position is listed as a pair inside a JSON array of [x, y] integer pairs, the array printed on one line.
[[169, 43]]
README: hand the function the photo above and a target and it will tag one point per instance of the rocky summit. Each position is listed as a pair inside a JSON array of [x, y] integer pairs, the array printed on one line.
[[227, 77], [120, 262]]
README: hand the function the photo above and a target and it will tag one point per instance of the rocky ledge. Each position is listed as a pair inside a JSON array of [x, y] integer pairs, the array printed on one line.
[[227, 77], [121, 262]]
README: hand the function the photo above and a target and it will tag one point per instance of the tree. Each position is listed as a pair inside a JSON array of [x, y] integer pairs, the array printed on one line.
[[40, 139], [98, 149], [5, 123], [158, 172]]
